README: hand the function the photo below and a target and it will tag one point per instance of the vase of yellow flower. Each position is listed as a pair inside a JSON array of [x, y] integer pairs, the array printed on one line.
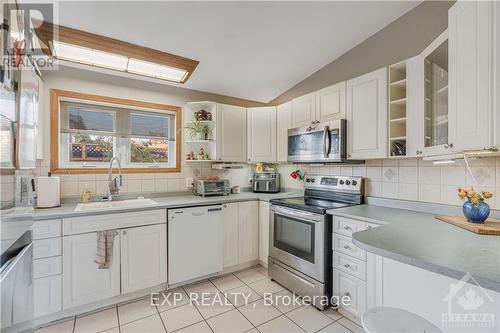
[[475, 209]]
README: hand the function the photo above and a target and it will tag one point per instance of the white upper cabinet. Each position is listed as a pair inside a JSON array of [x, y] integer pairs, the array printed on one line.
[[304, 110], [367, 116], [261, 129], [320, 106], [415, 119], [283, 123], [471, 85], [330, 102], [231, 133]]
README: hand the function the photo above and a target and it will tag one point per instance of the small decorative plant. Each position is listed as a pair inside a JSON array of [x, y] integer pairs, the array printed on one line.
[[475, 209], [199, 130]]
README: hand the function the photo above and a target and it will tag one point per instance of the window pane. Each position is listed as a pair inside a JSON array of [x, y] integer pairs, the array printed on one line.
[[82, 119], [149, 125], [148, 150], [91, 148]]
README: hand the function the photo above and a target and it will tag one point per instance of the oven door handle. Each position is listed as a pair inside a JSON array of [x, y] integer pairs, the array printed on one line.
[[326, 141], [309, 217]]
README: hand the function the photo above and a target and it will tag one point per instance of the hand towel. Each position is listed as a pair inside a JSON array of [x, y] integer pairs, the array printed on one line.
[[104, 252]]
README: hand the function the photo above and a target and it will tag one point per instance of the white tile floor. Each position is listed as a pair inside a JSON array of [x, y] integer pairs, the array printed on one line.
[[230, 315]]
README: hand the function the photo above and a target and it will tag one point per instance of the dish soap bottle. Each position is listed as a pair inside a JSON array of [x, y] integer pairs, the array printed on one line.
[[86, 195]]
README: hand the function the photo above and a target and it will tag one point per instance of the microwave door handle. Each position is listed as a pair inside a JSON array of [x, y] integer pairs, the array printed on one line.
[[326, 138]]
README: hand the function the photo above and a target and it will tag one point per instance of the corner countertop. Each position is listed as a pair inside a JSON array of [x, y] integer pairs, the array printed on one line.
[[178, 200], [420, 240]]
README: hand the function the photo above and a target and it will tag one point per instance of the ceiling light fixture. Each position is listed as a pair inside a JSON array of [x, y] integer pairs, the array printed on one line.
[[100, 51]]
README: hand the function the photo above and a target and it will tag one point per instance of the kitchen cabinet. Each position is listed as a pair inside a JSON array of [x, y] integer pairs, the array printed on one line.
[[241, 233], [471, 63], [47, 295], [143, 257], [367, 116], [248, 223], [263, 231], [261, 130], [330, 102], [83, 281], [320, 106], [231, 234], [283, 123], [304, 110], [231, 133]]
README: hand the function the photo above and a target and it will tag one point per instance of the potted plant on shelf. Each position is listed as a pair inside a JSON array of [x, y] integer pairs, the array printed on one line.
[[199, 131], [475, 209]]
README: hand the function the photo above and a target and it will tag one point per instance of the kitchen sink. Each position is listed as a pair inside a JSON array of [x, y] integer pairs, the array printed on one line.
[[114, 204]]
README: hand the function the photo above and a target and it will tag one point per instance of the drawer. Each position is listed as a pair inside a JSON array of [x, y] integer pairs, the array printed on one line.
[[47, 295], [346, 226], [345, 245], [345, 285], [49, 247], [46, 229], [349, 265], [78, 225], [47, 267]]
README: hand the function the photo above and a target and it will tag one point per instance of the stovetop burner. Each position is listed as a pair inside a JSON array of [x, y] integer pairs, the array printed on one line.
[[326, 192]]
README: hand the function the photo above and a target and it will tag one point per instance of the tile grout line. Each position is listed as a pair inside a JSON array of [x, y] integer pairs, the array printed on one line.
[[118, 318], [161, 319]]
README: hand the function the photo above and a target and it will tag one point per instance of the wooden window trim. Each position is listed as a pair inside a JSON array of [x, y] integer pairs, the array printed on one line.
[[56, 95], [47, 32]]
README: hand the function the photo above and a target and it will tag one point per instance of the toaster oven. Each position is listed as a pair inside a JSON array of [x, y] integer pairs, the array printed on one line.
[[207, 187]]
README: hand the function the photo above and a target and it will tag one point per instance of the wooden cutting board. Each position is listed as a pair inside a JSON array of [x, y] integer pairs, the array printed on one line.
[[490, 227]]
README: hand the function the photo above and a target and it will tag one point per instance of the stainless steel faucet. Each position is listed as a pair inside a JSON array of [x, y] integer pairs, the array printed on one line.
[[114, 183]]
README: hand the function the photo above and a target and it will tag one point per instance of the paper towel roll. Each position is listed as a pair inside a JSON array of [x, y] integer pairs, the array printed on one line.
[[48, 192]]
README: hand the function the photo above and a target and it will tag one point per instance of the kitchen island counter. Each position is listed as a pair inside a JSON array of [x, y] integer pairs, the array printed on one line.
[[418, 239]]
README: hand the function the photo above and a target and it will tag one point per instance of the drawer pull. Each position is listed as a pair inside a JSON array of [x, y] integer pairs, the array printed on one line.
[[347, 227], [348, 294], [347, 266], [347, 247]]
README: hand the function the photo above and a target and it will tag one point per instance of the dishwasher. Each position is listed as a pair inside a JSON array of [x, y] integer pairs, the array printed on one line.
[[195, 243]]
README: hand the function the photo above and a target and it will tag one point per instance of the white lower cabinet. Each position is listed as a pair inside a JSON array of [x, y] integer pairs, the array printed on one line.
[[263, 231], [143, 257], [139, 261], [346, 285], [47, 295], [83, 281], [230, 234], [248, 216], [241, 233]]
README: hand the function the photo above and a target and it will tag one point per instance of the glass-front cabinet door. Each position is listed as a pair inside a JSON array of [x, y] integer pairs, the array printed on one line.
[[435, 98]]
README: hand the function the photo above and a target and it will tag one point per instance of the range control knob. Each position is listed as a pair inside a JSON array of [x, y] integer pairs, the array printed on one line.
[[354, 183], [313, 180], [348, 182], [341, 182], [308, 180]]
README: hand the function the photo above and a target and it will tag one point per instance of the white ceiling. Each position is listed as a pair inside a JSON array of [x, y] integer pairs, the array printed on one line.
[[252, 50]]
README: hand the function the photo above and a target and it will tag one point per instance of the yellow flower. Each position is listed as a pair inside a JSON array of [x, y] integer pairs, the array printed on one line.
[[475, 200], [487, 195]]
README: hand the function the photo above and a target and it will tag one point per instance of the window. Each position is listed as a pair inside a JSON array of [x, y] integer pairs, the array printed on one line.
[[88, 130]]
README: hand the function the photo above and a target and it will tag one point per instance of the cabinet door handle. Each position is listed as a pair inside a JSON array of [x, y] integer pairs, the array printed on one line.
[[348, 294], [347, 266], [347, 227], [418, 152], [347, 247], [124, 233], [448, 145]]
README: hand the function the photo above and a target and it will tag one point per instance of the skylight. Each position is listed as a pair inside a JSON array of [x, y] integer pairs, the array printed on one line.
[[83, 55]]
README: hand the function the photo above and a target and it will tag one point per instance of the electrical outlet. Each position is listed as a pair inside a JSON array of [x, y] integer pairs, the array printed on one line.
[[189, 183]]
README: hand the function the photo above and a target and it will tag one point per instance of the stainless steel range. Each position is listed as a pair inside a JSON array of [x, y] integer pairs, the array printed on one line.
[[300, 232]]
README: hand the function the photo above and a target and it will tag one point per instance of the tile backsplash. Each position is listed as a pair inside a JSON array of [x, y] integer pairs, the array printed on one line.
[[413, 179], [408, 179]]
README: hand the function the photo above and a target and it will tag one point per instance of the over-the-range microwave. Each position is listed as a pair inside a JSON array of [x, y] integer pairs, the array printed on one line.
[[319, 143]]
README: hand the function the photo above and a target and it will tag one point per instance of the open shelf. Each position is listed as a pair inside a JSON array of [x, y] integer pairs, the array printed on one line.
[[200, 141], [397, 105]]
